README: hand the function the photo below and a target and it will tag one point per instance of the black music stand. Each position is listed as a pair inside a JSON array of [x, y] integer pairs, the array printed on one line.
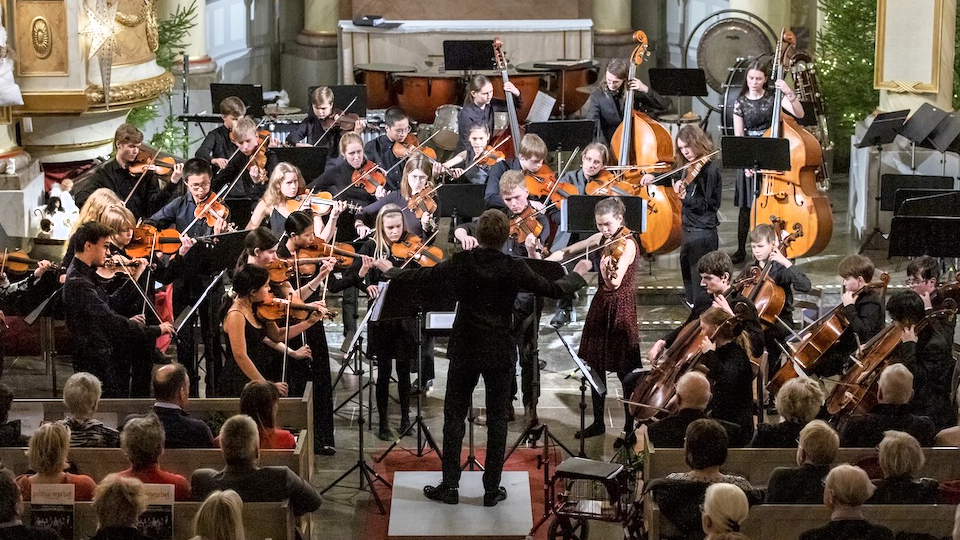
[[587, 375], [407, 301], [552, 271], [908, 194], [679, 82], [756, 153], [460, 202], [883, 130], [892, 184], [943, 137], [577, 215], [918, 128], [343, 95], [250, 94], [468, 55], [311, 160], [912, 236], [563, 135]]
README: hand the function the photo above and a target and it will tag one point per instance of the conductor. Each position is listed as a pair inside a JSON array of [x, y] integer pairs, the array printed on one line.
[[485, 282]]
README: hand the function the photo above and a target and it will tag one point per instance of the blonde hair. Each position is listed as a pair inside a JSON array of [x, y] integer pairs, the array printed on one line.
[[118, 217], [272, 197], [48, 448], [81, 393], [727, 506], [245, 127], [799, 400], [220, 517], [118, 501], [849, 484], [819, 442], [348, 138], [321, 96], [900, 455], [532, 147], [416, 162], [598, 147], [379, 233], [510, 181], [96, 203], [896, 384]]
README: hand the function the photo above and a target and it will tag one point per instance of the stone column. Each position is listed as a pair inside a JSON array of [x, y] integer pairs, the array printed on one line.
[[196, 47], [776, 13], [319, 23], [943, 99], [314, 50], [612, 34]]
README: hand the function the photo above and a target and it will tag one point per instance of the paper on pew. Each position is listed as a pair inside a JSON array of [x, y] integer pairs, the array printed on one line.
[[157, 520], [29, 414]]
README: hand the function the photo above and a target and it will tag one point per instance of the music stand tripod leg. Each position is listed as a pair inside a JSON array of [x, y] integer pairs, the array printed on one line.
[[471, 461]]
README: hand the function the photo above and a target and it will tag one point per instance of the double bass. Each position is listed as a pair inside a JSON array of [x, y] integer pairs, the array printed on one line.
[[515, 133], [643, 146], [793, 195]]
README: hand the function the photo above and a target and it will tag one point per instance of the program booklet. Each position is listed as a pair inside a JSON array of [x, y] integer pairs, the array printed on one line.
[[157, 520], [51, 506]]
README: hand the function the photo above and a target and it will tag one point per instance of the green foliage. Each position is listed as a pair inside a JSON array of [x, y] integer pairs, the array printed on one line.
[[172, 34]]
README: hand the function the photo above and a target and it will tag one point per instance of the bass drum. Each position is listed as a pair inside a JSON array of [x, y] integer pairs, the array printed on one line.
[[733, 87], [727, 41]]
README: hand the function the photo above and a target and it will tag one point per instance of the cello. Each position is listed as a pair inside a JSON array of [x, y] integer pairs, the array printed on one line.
[[793, 195], [642, 146], [766, 295]]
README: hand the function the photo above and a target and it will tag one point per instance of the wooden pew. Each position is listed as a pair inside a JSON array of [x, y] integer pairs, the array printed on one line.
[[786, 521], [99, 462], [260, 520], [756, 464]]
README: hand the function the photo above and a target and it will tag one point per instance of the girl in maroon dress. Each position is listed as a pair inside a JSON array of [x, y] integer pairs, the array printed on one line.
[[609, 341]]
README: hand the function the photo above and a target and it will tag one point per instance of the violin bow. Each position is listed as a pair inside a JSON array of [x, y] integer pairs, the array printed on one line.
[[419, 250], [286, 339], [146, 299], [335, 120], [666, 174], [153, 254], [483, 155], [3, 265], [142, 174], [563, 171], [591, 250]]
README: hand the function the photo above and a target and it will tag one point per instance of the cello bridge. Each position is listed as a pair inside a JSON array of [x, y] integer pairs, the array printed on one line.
[[780, 196]]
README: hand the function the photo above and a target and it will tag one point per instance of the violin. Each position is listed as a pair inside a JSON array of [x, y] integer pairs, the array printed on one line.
[[318, 203], [345, 121], [276, 309], [524, 224], [18, 261], [210, 209], [259, 158], [490, 156], [411, 247], [815, 340], [609, 184], [369, 177], [543, 183], [409, 145], [614, 250], [147, 161], [117, 264], [344, 253], [423, 202], [147, 239], [283, 269]]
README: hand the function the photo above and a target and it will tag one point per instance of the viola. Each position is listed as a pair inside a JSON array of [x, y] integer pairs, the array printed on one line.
[[276, 309], [614, 250], [344, 253], [18, 261], [210, 209], [318, 203], [423, 202], [609, 184], [369, 177], [816, 340], [412, 248], [410, 144]]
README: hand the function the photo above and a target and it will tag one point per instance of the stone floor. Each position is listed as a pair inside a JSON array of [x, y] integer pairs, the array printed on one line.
[[660, 309]]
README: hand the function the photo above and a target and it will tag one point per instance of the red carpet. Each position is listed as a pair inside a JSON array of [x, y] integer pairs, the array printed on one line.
[[524, 459]]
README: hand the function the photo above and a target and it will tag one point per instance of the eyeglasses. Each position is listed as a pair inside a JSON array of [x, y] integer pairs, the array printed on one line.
[[911, 281]]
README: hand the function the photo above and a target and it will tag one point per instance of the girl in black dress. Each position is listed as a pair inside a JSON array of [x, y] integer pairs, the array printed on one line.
[[730, 371], [286, 183]]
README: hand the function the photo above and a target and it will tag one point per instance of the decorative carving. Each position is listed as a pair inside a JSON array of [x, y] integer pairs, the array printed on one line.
[[144, 90], [42, 41], [148, 15]]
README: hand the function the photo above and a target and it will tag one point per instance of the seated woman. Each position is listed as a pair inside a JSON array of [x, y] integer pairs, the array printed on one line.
[[901, 460], [81, 395], [118, 504], [725, 508], [798, 402], [142, 441], [816, 450], [48, 456], [220, 517], [705, 451], [846, 489], [260, 400]]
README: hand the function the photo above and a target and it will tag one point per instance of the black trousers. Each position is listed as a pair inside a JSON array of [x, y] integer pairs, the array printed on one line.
[[384, 369], [186, 292], [628, 381], [462, 378], [696, 244], [526, 327], [316, 370], [743, 229]]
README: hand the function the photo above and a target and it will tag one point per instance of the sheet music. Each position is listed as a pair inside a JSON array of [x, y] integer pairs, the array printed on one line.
[[541, 108]]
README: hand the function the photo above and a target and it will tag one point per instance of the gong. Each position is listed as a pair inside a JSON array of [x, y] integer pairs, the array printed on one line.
[[724, 43]]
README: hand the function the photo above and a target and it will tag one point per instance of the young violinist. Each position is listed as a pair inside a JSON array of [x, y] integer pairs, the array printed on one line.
[[380, 150], [863, 310], [527, 307], [606, 102], [700, 195], [752, 116], [478, 138], [217, 148], [610, 341], [927, 353], [786, 275], [248, 356], [116, 176], [394, 339], [320, 122], [286, 184], [729, 367], [95, 326], [417, 180], [532, 153], [248, 171], [480, 106]]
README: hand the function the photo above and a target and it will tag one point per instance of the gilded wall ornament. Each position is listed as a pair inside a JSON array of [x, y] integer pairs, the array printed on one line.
[[40, 37]]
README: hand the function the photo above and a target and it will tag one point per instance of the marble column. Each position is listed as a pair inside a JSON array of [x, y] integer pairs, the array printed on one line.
[[313, 51], [943, 99], [319, 23], [612, 32], [196, 49], [776, 13]]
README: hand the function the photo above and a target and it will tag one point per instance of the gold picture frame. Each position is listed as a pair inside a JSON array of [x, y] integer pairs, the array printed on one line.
[[903, 51]]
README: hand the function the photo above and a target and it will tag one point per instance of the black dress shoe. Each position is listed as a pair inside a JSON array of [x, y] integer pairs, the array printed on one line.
[[560, 318], [592, 430], [445, 494], [738, 257], [491, 498], [404, 423], [386, 434], [325, 450]]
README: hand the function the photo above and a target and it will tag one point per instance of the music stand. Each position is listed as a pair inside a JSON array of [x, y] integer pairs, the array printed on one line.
[[468, 55], [343, 95], [460, 202], [576, 213], [679, 82], [883, 130], [756, 153], [587, 375], [563, 135], [250, 94], [904, 195], [919, 127], [311, 160], [891, 184], [943, 136], [936, 236]]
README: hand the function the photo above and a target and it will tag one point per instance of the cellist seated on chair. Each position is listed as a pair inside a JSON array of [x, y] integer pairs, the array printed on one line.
[[891, 412]]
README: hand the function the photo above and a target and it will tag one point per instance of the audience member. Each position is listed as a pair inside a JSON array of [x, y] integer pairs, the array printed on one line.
[[798, 402], [725, 508], [706, 450], [892, 412], [901, 459], [171, 389], [260, 400], [11, 509], [118, 504], [47, 455], [81, 395], [951, 435], [846, 489], [817, 449], [220, 517], [9, 429], [142, 442], [240, 445], [693, 395]]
